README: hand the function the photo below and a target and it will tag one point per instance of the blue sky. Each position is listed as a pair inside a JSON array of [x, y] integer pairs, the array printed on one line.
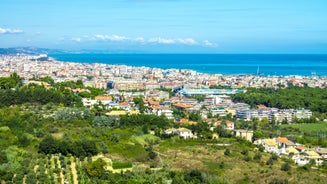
[[172, 26]]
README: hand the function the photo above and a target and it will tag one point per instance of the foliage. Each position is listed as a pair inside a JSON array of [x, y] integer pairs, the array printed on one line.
[[72, 113], [10, 82], [38, 94], [227, 152], [121, 165], [140, 104], [80, 148], [105, 121], [257, 157], [291, 97], [285, 167], [195, 116], [193, 176], [96, 168]]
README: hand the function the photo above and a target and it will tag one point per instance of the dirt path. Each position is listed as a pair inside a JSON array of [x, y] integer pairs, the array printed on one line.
[[74, 172]]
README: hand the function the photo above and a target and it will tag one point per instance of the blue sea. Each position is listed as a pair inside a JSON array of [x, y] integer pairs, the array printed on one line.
[[263, 64]]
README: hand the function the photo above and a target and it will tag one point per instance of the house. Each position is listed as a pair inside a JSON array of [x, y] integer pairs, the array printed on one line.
[[181, 132], [184, 133], [170, 131], [322, 152], [87, 102], [125, 105], [215, 136], [105, 99], [182, 106], [229, 125], [166, 112], [217, 123], [290, 144], [292, 150], [112, 105], [305, 157], [219, 111], [270, 145], [246, 134], [300, 148], [281, 141]]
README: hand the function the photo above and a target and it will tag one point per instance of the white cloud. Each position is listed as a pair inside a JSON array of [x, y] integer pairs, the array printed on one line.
[[111, 37], [143, 41], [10, 31], [209, 44], [186, 41], [76, 39], [139, 39], [161, 40]]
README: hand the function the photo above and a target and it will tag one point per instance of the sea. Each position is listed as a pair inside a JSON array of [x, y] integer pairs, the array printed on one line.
[[229, 64]]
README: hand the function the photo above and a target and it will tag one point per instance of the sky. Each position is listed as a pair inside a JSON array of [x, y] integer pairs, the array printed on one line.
[[166, 26]]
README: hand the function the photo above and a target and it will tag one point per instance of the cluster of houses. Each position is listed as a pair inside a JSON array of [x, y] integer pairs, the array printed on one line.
[[298, 152], [158, 102]]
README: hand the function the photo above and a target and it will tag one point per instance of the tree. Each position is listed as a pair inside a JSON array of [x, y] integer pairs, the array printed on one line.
[[270, 161], [96, 168], [245, 152], [139, 102], [258, 134], [193, 176], [285, 167], [257, 157], [48, 145], [195, 116], [227, 152]]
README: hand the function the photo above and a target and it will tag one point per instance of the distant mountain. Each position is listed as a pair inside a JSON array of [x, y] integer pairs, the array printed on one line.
[[30, 51], [38, 51]]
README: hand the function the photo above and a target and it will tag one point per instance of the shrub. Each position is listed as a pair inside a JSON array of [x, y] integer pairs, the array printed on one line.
[[247, 158], [270, 161], [121, 165], [227, 152], [285, 167], [245, 152], [257, 157]]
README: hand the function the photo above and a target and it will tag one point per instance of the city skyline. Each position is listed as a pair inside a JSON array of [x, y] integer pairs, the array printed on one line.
[[166, 26]]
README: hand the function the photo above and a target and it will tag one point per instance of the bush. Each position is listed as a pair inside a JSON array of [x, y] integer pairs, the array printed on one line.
[[247, 158], [270, 161], [257, 157], [245, 152], [227, 152], [285, 167], [121, 165], [274, 156]]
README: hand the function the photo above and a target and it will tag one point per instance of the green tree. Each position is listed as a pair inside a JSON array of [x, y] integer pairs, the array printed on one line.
[[96, 168], [285, 167], [227, 152]]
